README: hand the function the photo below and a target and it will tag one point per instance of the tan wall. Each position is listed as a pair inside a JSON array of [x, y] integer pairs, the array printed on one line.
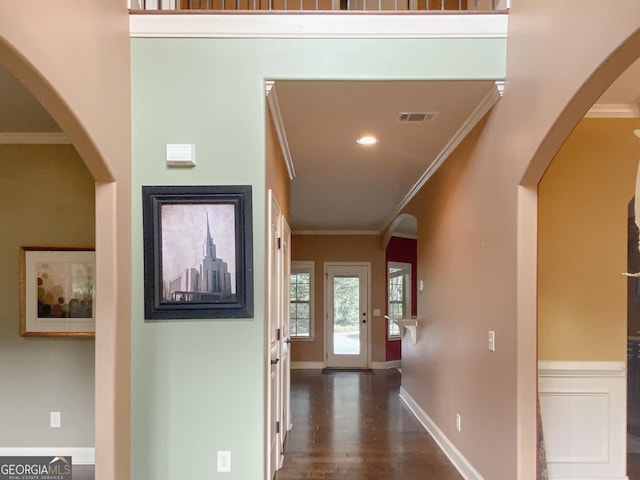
[[538, 111], [277, 174], [77, 65], [466, 253], [74, 57], [46, 200], [341, 248], [477, 233], [583, 199]]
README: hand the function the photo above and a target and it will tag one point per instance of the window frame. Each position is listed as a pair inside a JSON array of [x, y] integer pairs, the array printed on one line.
[[405, 272], [298, 267]]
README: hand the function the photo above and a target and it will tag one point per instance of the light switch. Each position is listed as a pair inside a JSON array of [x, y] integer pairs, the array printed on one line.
[[420, 285], [224, 461], [492, 341], [55, 420]]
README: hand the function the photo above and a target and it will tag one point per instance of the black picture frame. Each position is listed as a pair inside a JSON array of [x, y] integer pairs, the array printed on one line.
[[187, 275]]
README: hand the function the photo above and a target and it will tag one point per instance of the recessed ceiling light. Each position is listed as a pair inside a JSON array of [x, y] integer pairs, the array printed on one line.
[[367, 140]]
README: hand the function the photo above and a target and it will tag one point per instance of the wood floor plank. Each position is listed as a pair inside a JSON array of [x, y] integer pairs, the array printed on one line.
[[350, 426]]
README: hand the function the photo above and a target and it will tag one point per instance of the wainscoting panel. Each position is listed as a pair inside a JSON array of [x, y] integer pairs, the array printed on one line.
[[583, 411]]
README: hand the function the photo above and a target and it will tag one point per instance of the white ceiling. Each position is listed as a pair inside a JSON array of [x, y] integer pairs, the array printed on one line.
[[341, 186]]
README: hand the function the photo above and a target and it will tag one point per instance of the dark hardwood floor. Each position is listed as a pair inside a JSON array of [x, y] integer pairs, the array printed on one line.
[[83, 472], [352, 426]]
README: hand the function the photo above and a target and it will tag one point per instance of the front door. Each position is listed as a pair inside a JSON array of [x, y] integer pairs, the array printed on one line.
[[347, 315]]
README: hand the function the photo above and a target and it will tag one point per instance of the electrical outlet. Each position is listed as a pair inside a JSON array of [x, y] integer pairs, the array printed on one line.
[[458, 422], [55, 420], [224, 461], [492, 341]]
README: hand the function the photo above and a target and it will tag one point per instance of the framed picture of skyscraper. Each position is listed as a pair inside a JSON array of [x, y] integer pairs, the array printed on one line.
[[198, 252]]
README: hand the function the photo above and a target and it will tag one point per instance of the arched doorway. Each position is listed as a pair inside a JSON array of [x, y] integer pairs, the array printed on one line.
[[104, 147], [572, 343]]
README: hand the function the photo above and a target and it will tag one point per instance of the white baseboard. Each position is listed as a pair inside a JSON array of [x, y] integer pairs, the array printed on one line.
[[321, 365], [591, 478], [80, 455], [386, 365], [457, 459], [307, 365]]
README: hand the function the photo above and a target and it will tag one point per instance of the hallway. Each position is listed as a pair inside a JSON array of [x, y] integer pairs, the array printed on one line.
[[354, 426]]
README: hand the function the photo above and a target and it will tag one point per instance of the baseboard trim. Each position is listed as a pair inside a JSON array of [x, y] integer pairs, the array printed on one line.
[[321, 365], [453, 454], [307, 365], [386, 365], [589, 478], [80, 455]]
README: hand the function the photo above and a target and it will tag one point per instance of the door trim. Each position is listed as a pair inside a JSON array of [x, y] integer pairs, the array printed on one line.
[[325, 313]]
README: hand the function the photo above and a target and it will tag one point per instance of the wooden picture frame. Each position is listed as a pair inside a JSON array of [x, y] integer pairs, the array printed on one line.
[[198, 252], [57, 292]]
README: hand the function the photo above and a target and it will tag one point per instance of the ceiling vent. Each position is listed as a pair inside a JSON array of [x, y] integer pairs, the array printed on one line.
[[417, 116]]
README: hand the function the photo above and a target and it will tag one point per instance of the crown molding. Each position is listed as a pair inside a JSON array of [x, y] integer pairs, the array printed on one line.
[[33, 138], [481, 110], [614, 110], [317, 25], [278, 123]]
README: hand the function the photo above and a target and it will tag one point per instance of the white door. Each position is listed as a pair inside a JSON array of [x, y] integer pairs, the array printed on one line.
[[285, 255], [273, 348], [278, 360], [347, 315]]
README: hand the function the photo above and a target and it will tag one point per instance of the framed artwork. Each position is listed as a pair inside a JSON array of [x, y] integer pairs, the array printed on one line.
[[57, 292], [198, 252]]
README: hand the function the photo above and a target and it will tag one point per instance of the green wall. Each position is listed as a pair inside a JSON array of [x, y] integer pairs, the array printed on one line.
[[198, 386]]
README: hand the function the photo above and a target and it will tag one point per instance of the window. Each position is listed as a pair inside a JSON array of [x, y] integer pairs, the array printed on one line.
[[399, 301], [301, 300]]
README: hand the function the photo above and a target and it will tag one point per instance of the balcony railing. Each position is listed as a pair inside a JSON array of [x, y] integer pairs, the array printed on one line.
[[321, 5]]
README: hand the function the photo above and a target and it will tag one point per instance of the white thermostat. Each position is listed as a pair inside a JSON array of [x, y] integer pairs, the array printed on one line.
[[181, 155]]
